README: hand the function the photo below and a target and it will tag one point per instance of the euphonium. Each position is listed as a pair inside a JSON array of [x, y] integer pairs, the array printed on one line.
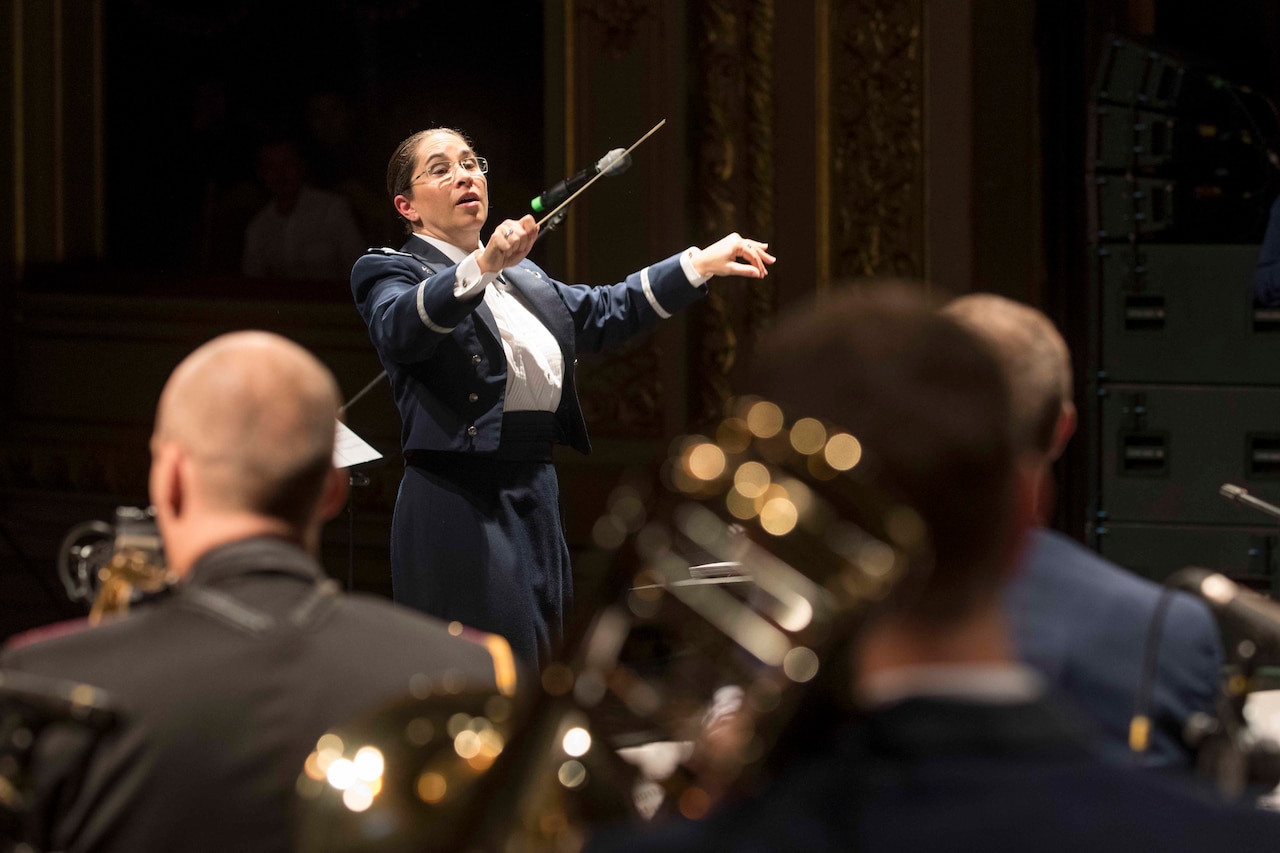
[[110, 566], [679, 690]]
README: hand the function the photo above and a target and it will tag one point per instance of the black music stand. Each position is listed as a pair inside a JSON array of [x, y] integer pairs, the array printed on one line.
[[356, 453], [352, 453]]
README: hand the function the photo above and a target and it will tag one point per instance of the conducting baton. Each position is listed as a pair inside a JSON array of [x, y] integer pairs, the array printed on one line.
[[598, 175]]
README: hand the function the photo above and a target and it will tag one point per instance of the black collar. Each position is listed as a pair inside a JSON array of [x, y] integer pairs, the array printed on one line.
[[254, 555]]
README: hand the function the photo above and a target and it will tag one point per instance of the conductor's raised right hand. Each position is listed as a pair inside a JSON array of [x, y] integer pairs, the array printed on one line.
[[508, 245]]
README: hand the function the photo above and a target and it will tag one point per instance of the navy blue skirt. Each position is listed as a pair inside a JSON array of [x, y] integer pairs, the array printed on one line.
[[478, 539]]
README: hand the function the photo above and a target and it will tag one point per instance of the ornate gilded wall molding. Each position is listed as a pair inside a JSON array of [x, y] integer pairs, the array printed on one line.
[[734, 177], [617, 22], [760, 151], [621, 391], [877, 109]]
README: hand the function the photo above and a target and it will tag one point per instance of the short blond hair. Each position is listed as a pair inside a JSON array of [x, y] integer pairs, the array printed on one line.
[[1033, 355]]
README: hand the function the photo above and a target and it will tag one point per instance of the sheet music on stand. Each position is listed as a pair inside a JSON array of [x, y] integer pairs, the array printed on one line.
[[350, 449]]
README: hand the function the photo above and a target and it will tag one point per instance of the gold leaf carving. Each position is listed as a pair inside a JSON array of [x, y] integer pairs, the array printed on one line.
[[734, 178], [616, 22], [876, 168], [621, 395]]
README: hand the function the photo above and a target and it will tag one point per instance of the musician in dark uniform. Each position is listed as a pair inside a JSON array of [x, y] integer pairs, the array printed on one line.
[[480, 347], [939, 739], [223, 687]]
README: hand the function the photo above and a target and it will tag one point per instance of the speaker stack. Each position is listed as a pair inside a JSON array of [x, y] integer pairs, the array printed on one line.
[[1185, 369]]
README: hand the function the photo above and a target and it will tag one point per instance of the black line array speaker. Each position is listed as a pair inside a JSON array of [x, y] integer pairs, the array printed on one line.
[[1165, 450], [1185, 369], [1247, 554], [1184, 314], [1176, 154]]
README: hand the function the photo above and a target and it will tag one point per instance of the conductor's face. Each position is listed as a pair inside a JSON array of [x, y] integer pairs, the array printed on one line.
[[449, 196]]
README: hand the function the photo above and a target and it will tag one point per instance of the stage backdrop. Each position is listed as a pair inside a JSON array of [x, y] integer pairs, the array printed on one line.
[[859, 137]]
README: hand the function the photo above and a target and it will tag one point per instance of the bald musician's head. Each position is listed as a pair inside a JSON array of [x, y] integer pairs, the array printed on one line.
[[243, 446], [1036, 363]]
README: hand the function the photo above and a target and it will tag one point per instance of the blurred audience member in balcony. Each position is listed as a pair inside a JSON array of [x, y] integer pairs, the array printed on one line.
[[303, 232]]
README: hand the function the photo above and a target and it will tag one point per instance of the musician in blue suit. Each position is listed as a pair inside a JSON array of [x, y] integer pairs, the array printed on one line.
[[480, 345], [1081, 621]]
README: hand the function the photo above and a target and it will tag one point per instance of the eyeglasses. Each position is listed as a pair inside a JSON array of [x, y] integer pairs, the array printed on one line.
[[441, 171]]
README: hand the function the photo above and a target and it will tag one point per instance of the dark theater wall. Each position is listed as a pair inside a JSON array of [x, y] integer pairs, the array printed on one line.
[[921, 138], [129, 168]]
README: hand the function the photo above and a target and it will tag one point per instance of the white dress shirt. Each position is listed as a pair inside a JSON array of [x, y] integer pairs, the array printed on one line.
[[318, 239], [994, 683], [535, 364]]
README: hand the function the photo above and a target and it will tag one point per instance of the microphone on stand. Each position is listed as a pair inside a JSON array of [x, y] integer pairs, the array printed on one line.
[[1229, 751], [1242, 496], [615, 162], [1242, 609]]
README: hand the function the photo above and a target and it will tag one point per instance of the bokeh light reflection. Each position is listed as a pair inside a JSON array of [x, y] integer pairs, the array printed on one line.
[[706, 461], [779, 516], [808, 436], [369, 763], [764, 419], [457, 723], [572, 774], [751, 479], [739, 505], [843, 451], [341, 773], [358, 798], [576, 742], [328, 749], [432, 788], [800, 664], [466, 744]]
